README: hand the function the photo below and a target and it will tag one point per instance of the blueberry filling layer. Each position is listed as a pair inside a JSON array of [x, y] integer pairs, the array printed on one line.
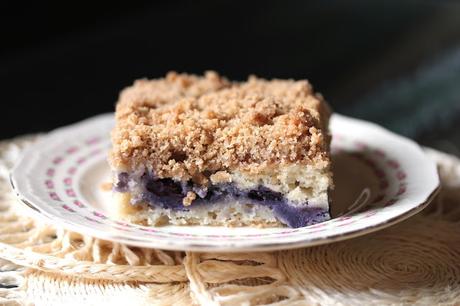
[[167, 193]]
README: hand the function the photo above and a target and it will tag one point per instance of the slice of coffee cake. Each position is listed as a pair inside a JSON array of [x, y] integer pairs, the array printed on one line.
[[202, 150]]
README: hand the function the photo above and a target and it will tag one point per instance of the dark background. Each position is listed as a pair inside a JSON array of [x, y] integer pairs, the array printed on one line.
[[393, 62]]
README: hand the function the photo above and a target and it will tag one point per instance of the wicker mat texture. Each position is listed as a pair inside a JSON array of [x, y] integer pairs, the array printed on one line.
[[414, 262]]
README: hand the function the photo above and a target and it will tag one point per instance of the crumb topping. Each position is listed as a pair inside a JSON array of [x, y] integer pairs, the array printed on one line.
[[184, 125]]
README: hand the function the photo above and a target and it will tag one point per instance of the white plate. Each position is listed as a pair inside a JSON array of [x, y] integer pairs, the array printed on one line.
[[381, 179]]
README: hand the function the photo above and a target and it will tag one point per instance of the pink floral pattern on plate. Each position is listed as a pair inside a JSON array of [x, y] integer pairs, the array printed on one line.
[[61, 178]]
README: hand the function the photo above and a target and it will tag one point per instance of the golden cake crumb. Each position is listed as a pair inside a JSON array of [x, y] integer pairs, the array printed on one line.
[[106, 186], [221, 177], [188, 199], [185, 125]]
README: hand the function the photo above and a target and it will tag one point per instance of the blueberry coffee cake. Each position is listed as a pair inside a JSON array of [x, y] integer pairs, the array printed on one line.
[[200, 150]]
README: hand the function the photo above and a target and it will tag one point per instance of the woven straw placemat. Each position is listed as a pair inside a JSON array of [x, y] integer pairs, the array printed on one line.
[[414, 262]]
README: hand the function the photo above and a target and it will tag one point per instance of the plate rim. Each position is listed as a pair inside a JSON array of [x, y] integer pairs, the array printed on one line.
[[198, 247], [183, 245]]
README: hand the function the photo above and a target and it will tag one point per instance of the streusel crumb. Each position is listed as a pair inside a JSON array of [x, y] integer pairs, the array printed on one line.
[[184, 125]]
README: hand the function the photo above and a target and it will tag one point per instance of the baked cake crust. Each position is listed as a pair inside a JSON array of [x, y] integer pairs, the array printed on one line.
[[184, 125]]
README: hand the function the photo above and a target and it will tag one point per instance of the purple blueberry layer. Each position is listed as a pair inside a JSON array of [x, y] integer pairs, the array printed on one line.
[[167, 193]]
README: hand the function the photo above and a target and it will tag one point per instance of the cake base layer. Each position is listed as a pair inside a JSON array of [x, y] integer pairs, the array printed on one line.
[[229, 213], [220, 204]]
